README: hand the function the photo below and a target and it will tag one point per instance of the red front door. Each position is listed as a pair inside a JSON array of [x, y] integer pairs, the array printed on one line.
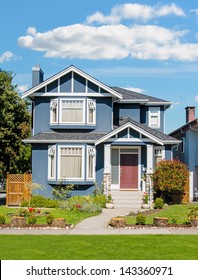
[[128, 171]]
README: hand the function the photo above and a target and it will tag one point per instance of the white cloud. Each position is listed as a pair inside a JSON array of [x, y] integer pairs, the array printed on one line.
[[111, 42], [135, 12], [6, 56], [135, 89], [196, 98], [23, 88]]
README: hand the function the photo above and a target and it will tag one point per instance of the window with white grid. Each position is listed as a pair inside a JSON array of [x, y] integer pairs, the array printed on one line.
[[72, 111], [71, 163], [154, 117]]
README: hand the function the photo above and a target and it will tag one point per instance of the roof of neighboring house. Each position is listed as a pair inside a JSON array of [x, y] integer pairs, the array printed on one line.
[[132, 96], [179, 132]]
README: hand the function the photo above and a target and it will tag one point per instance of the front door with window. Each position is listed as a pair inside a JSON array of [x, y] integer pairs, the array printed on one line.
[[128, 171]]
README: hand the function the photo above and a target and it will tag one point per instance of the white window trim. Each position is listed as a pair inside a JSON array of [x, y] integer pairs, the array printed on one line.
[[49, 162], [83, 162], [60, 111], [159, 148], [150, 115], [94, 112], [51, 111], [94, 163]]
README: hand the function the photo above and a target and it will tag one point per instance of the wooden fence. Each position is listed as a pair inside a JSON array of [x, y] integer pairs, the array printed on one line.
[[17, 190], [186, 198]]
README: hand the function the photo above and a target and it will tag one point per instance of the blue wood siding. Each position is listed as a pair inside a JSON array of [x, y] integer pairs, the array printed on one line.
[[65, 83], [79, 83], [53, 87]]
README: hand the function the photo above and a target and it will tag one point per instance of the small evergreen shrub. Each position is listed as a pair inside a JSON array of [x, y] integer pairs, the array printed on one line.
[[140, 219], [158, 203], [49, 219], [2, 219], [40, 201], [32, 220]]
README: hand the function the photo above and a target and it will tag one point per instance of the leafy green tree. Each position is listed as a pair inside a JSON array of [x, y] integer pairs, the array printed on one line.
[[14, 126]]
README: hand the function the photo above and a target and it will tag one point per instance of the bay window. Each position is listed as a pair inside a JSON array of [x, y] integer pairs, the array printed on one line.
[[52, 163], [72, 111], [91, 153]]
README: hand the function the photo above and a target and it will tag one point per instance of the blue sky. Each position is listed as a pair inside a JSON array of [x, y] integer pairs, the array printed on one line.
[[149, 46]]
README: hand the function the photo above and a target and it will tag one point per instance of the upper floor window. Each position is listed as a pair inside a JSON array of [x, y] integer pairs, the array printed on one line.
[[154, 117], [73, 111]]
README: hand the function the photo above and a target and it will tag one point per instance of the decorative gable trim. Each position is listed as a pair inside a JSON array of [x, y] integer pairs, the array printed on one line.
[[34, 91], [132, 126]]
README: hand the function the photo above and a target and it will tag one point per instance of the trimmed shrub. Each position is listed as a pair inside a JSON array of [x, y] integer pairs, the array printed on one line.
[[140, 219], [2, 219], [49, 219], [158, 203], [32, 220], [169, 179], [90, 208]]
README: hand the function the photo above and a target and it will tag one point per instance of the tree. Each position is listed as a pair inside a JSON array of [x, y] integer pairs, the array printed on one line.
[[169, 179], [14, 126]]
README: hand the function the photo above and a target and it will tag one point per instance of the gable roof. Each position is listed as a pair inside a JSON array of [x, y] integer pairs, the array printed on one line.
[[153, 134], [71, 68], [179, 132], [132, 96]]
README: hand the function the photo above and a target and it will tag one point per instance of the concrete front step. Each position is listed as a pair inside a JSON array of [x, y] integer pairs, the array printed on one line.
[[127, 199]]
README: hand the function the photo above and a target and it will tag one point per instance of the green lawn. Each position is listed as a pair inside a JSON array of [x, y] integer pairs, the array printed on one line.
[[177, 212], [103, 247], [72, 217]]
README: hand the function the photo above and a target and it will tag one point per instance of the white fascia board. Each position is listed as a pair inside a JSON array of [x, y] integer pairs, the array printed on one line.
[[64, 72], [172, 142], [141, 101], [109, 135], [165, 104]]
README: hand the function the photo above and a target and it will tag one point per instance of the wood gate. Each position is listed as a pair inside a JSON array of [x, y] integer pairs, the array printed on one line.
[[17, 190]]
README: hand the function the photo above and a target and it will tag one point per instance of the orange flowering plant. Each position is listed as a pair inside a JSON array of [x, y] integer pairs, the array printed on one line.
[[169, 179]]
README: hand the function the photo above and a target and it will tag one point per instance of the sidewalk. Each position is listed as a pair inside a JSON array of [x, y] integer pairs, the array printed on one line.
[[98, 225]]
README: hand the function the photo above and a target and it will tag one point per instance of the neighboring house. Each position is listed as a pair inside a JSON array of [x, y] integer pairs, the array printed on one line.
[[85, 132], [187, 150]]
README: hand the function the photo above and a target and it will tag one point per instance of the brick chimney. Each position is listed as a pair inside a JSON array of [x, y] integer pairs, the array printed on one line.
[[37, 75], [190, 113]]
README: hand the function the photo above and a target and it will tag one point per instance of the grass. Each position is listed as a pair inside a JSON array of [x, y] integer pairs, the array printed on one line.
[[101, 247], [178, 212], [72, 217]]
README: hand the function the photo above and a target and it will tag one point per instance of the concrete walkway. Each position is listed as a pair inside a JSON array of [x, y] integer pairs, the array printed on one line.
[[98, 225]]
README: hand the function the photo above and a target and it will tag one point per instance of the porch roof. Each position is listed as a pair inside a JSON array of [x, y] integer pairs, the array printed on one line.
[[153, 134]]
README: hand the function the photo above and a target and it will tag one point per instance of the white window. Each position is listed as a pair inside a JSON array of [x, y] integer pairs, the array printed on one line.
[[158, 154], [52, 162], [91, 111], [72, 111], [71, 163], [53, 111], [154, 117], [91, 159]]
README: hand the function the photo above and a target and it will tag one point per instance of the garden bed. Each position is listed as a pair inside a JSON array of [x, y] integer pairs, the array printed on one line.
[[169, 226], [35, 226]]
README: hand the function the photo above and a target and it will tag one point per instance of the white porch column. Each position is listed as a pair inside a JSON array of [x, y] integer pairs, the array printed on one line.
[[107, 158], [150, 163], [107, 170]]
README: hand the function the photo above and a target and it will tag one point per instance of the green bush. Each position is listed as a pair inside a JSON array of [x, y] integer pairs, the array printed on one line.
[[140, 219], [32, 220], [2, 219], [90, 208], [49, 219], [41, 201], [158, 203], [169, 179]]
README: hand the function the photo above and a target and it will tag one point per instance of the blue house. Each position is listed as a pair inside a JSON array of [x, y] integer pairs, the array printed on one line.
[[84, 131], [187, 150]]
